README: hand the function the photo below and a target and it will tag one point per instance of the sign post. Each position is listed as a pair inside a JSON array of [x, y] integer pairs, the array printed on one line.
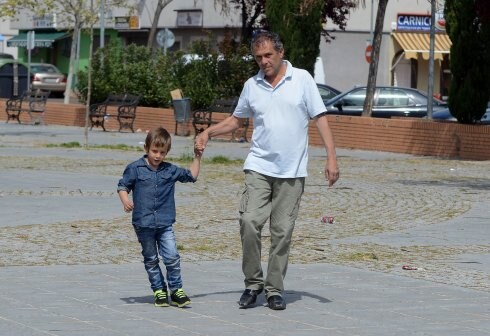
[[367, 53], [31, 42], [165, 39]]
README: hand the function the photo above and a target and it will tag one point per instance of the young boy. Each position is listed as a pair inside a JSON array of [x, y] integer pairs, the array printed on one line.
[[152, 182]]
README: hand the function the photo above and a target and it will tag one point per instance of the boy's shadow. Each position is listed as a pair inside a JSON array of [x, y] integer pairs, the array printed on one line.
[[290, 296]]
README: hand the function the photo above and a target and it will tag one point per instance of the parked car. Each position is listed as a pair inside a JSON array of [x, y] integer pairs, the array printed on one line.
[[327, 92], [389, 102], [6, 56], [446, 115], [47, 77]]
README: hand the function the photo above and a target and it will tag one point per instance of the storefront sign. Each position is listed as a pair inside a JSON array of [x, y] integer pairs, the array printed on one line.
[[44, 21], [127, 22], [419, 22], [191, 18]]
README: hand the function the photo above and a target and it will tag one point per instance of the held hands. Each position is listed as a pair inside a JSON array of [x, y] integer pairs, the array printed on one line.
[[200, 143]]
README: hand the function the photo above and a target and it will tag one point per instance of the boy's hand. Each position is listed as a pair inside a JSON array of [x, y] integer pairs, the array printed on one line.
[[128, 206], [198, 153], [201, 141]]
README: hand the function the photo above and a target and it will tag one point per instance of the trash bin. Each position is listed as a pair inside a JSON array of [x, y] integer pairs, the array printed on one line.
[[13, 78], [182, 114]]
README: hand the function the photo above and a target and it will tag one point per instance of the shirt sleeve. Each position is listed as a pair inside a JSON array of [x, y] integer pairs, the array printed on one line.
[[314, 101], [183, 175], [126, 183]]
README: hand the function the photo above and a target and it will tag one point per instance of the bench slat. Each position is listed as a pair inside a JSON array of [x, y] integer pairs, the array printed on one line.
[[33, 102], [126, 110]]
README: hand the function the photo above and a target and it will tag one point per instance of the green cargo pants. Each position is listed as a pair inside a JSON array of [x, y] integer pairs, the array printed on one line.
[[275, 199]]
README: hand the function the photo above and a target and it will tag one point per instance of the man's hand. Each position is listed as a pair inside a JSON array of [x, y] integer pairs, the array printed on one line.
[[201, 141], [332, 172]]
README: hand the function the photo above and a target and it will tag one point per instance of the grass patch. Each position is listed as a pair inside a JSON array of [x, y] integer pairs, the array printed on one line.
[[360, 256], [187, 158], [76, 144]]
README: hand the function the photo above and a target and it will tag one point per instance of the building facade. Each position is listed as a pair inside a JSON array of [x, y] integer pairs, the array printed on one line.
[[181, 23], [403, 55]]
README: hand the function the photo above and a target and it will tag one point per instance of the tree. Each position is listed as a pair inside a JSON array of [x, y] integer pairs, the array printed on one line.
[[252, 13], [161, 4], [298, 23], [72, 14], [373, 65], [468, 26]]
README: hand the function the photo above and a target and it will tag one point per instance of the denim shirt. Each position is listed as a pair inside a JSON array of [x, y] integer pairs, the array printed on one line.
[[153, 191]]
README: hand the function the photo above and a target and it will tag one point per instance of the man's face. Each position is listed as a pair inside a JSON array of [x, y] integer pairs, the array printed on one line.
[[268, 59]]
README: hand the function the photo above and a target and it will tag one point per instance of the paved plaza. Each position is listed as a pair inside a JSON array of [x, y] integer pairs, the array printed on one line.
[[70, 264]]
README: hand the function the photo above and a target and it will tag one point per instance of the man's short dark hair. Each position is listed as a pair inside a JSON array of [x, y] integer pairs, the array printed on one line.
[[261, 36]]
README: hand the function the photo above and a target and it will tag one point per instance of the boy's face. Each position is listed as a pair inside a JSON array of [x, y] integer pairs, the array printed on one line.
[[156, 155]]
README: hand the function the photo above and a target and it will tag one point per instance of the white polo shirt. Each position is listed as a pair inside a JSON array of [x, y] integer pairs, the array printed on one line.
[[279, 145]]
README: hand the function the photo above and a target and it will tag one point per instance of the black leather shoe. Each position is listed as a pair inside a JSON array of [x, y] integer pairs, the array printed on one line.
[[248, 298], [276, 302]]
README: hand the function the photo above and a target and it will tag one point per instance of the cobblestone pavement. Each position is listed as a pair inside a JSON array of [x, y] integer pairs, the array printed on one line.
[[60, 208]]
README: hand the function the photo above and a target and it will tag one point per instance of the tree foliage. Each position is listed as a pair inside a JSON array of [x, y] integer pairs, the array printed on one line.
[[468, 26], [253, 13], [299, 26], [152, 74], [300, 23], [72, 15]]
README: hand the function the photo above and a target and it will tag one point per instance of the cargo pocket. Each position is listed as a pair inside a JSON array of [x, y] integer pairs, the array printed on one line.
[[243, 201]]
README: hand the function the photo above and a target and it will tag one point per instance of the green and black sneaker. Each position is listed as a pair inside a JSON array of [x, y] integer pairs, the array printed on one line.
[[179, 298], [160, 298]]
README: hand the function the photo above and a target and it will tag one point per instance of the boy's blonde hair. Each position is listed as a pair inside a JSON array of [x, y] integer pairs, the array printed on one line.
[[159, 137]]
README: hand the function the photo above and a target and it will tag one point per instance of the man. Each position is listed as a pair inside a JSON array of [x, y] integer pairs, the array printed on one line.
[[281, 100]]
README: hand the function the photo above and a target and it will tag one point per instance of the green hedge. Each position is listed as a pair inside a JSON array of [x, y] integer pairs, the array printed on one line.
[[136, 70]]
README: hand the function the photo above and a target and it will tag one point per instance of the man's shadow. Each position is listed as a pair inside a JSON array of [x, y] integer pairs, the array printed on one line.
[[290, 296]]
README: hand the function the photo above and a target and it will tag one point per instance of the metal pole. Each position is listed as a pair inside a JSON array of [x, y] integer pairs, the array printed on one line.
[[372, 30], [430, 89], [102, 22]]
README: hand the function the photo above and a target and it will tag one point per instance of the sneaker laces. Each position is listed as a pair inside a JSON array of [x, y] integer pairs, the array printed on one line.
[[180, 293], [160, 294]]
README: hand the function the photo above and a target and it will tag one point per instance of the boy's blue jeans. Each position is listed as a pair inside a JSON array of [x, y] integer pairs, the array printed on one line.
[[160, 241]]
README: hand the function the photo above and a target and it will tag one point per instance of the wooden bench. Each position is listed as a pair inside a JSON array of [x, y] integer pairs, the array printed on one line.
[[203, 118], [33, 102], [126, 111]]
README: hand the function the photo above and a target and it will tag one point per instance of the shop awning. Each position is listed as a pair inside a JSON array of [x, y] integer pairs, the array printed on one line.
[[41, 40], [419, 43]]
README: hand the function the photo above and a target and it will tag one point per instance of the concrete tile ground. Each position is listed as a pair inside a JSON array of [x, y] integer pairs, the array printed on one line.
[[324, 298]]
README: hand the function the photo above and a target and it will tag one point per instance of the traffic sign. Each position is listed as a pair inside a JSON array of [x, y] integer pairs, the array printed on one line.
[[367, 53], [165, 38]]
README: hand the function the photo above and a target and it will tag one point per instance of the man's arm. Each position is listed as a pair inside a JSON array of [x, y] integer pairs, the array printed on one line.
[[228, 125], [332, 171]]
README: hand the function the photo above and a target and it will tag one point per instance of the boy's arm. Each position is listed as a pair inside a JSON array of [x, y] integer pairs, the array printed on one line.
[[196, 163], [125, 200]]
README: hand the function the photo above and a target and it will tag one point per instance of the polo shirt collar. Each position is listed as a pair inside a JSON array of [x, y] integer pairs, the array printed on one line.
[[289, 71]]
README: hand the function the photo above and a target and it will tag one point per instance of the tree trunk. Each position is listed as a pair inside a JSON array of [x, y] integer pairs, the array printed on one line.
[[154, 24], [373, 66], [71, 67]]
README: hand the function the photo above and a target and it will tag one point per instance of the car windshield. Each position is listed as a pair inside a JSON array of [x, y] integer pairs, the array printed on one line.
[[43, 69]]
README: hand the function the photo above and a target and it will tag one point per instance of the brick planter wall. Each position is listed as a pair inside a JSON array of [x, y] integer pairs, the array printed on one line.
[[411, 136]]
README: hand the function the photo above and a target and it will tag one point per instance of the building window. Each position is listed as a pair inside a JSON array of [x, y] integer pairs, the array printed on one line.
[[189, 18]]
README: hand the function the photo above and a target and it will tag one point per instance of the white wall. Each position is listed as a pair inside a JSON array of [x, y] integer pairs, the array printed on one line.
[[7, 33], [343, 58]]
